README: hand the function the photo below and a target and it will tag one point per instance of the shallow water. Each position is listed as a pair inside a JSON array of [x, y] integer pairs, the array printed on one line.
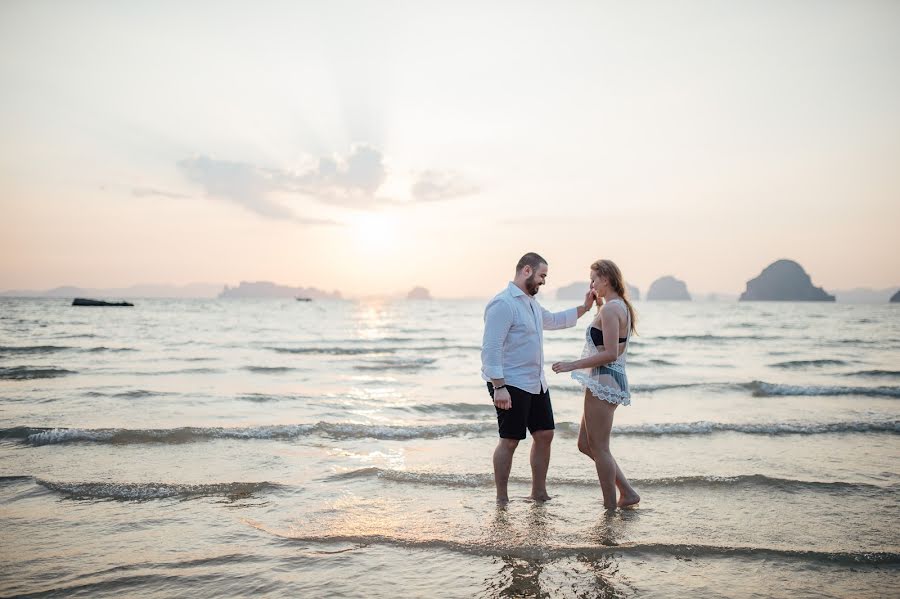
[[230, 448]]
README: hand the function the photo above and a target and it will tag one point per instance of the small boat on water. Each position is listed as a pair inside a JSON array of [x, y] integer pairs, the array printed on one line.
[[80, 301], [303, 299]]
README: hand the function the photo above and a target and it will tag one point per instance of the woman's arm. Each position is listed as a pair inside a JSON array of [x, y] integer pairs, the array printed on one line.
[[609, 324]]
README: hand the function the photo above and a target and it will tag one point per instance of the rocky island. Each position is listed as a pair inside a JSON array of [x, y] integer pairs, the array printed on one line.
[[266, 289], [418, 293], [784, 281], [668, 288]]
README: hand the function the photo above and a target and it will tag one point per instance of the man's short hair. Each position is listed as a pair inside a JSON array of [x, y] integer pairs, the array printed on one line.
[[530, 259]]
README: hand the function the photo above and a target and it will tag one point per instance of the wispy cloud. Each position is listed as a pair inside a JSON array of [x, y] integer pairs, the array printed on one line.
[[433, 186], [352, 181]]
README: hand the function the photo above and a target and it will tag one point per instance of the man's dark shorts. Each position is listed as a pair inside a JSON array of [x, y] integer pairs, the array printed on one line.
[[531, 410]]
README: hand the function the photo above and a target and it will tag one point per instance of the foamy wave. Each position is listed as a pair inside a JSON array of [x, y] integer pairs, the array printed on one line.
[[763, 389], [46, 436], [54, 436], [487, 480], [24, 373], [876, 373], [150, 491], [769, 428], [677, 550]]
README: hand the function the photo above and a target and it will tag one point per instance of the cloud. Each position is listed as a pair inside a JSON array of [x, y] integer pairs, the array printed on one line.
[[352, 181], [433, 186], [349, 181]]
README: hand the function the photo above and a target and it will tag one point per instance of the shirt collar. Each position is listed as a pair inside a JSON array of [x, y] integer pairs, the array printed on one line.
[[514, 290]]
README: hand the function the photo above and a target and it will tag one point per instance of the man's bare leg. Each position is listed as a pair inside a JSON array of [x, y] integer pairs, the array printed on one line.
[[540, 462], [503, 456]]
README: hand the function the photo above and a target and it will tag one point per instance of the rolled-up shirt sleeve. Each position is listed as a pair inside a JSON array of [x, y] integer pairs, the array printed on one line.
[[498, 319], [559, 320]]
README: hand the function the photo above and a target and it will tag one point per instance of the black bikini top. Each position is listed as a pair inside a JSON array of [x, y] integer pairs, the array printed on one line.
[[597, 336]]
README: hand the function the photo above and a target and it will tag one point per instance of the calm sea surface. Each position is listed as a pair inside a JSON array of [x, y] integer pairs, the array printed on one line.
[[343, 449]]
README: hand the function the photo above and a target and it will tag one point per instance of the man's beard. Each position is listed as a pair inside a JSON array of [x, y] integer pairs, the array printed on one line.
[[531, 285]]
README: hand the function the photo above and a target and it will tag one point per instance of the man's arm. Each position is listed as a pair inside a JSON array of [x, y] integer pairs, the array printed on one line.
[[498, 319], [566, 318]]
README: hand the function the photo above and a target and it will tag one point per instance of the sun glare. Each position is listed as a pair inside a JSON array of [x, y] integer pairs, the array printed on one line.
[[374, 232]]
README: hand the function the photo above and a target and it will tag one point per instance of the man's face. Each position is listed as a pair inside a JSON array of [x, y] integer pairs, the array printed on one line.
[[537, 278]]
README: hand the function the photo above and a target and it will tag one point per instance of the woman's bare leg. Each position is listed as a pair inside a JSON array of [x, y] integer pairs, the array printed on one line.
[[593, 440], [628, 495]]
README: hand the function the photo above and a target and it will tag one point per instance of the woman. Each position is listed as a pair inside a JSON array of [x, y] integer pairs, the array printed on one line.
[[601, 371]]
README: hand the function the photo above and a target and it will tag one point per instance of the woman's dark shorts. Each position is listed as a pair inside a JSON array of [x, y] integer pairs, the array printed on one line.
[[529, 410]]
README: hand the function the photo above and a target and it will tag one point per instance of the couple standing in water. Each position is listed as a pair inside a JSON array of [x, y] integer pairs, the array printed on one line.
[[512, 363]]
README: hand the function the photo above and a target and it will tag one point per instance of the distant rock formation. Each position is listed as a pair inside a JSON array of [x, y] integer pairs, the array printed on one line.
[[263, 289], [895, 298], [199, 290], [418, 293], [786, 281], [80, 301], [668, 288], [576, 291]]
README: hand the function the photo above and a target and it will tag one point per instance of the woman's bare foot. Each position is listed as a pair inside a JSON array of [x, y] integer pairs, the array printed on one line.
[[629, 500], [539, 497]]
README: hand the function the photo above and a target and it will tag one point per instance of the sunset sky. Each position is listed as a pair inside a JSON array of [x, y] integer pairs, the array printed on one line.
[[373, 146]]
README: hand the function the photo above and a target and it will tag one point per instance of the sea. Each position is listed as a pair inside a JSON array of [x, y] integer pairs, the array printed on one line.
[[272, 448]]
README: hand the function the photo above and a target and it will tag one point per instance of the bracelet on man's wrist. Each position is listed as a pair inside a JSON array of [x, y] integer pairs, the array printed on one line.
[[499, 387]]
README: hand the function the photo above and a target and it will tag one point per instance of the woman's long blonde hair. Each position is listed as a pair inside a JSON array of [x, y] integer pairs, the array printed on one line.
[[608, 269]]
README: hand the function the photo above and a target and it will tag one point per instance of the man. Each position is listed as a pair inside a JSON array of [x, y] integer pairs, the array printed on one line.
[[512, 363]]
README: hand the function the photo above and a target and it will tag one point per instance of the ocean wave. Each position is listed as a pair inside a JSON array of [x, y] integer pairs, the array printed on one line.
[[24, 373], [369, 350], [716, 338], [119, 436], [176, 371], [551, 552], [876, 373], [103, 348], [808, 363], [763, 389], [651, 362], [455, 408], [11, 480], [149, 491], [269, 369], [134, 394], [396, 364], [666, 387], [335, 351], [725, 482], [770, 428], [31, 349]]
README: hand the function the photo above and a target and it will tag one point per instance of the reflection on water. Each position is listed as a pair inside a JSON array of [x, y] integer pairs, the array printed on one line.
[[534, 572]]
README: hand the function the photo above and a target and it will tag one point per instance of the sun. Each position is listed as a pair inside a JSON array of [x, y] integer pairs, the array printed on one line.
[[374, 232]]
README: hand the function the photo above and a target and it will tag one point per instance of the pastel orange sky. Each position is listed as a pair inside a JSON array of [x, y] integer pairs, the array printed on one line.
[[370, 147]]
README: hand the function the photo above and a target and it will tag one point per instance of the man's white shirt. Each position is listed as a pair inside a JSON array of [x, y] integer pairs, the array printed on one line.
[[513, 345]]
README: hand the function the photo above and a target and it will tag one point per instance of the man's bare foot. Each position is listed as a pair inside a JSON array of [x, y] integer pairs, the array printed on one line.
[[539, 497], [629, 500], [502, 500]]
